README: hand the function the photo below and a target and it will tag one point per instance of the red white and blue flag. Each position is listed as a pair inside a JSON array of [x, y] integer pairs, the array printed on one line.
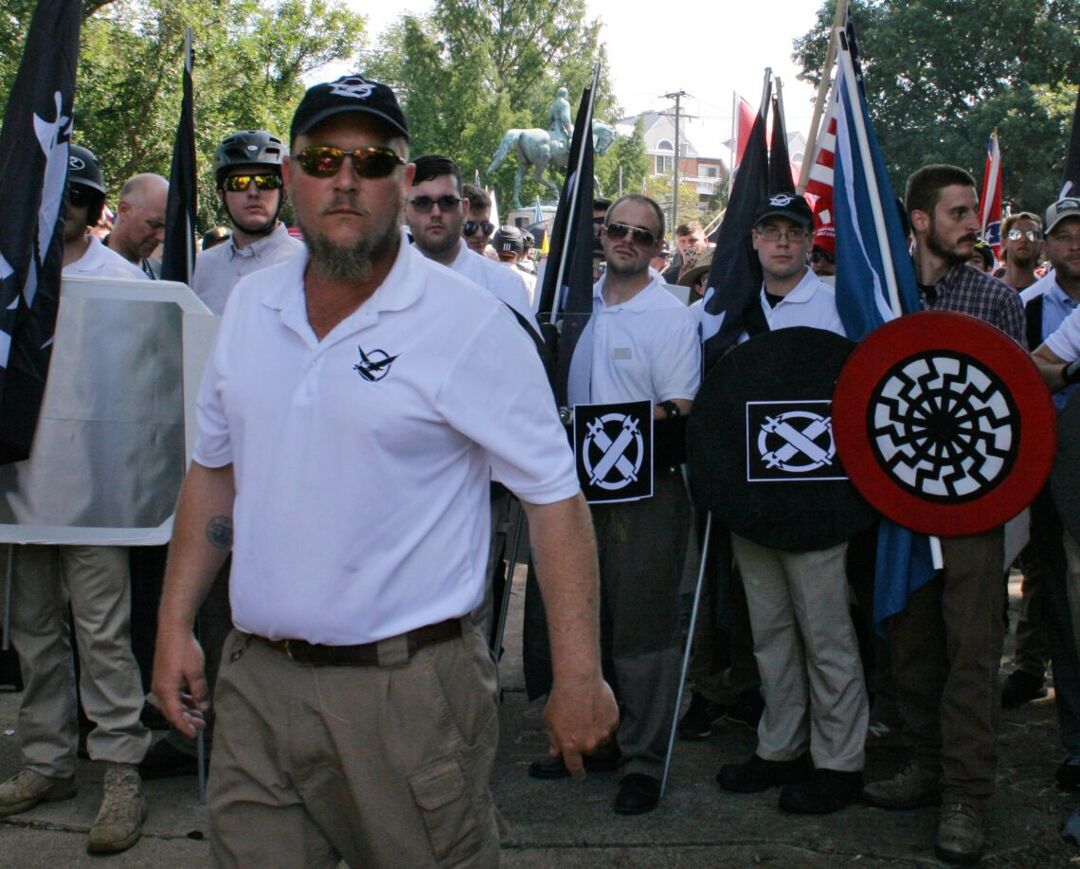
[[990, 201]]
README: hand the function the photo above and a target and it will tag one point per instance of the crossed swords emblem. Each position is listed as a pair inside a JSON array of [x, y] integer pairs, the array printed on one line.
[[613, 452], [796, 443]]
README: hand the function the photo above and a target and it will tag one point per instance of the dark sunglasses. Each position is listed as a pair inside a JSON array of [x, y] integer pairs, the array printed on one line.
[[617, 231], [78, 196], [819, 255], [424, 204], [323, 161], [470, 227], [240, 183]]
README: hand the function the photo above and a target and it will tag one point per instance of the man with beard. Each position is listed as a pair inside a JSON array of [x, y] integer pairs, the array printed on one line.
[[1021, 236], [435, 212], [946, 645], [353, 408], [247, 169]]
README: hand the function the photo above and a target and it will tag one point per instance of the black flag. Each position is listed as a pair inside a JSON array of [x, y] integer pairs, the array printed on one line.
[[568, 278], [178, 261], [780, 180], [1070, 185], [735, 274], [33, 174]]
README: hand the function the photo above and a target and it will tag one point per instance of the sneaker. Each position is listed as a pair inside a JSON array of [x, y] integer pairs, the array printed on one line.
[[758, 775], [698, 721], [27, 788], [827, 791], [1020, 687], [119, 820], [960, 837], [912, 787]]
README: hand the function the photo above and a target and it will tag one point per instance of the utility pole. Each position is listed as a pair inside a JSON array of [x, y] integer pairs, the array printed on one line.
[[677, 96]]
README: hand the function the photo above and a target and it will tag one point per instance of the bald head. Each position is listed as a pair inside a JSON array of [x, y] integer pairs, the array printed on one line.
[[140, 217]]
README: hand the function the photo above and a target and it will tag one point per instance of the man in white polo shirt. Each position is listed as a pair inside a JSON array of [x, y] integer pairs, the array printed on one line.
[[641, 343], [352, 410]]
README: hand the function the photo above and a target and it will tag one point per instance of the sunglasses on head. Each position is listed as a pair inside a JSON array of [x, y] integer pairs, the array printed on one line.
[[324, 161], [78, 196], [470, 227], [240, 183], [617, 231], [424, 204]]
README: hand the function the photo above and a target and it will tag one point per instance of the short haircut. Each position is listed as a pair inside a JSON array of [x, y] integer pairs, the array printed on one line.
[[135, 187], [477, 197], [689, 228], [435, 166], [924, 187], [644, 200], [1008, 222]]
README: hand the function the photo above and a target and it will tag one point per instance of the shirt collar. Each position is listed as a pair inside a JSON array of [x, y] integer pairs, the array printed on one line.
[[639, 302], [803, 291], [260, 246]]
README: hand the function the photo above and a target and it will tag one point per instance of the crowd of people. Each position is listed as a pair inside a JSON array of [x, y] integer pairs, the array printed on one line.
[[378, 397]]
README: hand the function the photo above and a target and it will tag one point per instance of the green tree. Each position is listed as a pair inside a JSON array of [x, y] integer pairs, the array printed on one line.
[[940, 75], [626, 161]]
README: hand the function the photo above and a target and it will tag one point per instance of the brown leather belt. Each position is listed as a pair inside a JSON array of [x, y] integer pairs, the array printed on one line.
[[363, 654]]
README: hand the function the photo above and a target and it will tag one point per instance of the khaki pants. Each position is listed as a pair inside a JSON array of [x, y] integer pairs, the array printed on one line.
[[95, 581], [381, 766], [807, 654]]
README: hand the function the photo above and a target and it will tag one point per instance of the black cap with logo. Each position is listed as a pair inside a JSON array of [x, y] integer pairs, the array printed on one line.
[[790, 206], [350, 93]]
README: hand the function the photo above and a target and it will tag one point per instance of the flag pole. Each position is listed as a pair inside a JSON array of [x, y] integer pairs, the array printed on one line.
[[822, 92], [574, 197]]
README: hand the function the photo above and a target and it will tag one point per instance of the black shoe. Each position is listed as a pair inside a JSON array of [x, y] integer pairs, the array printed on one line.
[[1020, 688], [1068, 776], [826, 792], [747, 709], [604, 759], [638, 794], [758, 775], [164, 760], [698, 720]]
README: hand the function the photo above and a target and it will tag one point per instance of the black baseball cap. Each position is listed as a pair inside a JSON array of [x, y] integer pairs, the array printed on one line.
[[350, 93], [790, 206]]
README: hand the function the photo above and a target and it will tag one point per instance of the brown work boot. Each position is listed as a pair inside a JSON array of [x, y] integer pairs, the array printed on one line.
[[910, 788], [27, 788], [119, 820], [960, 837]]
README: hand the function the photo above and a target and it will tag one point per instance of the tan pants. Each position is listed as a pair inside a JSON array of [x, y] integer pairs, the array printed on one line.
[[807, 654], [381, 766], [95, 581]]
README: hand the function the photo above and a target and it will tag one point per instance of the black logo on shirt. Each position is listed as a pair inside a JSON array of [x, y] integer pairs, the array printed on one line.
[[373, 366]]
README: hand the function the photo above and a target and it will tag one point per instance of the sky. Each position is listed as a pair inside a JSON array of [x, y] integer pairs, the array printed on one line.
[[708, 49]]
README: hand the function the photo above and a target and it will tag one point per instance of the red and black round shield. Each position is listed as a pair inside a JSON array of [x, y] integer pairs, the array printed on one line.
[[760, 448], [944, 423]]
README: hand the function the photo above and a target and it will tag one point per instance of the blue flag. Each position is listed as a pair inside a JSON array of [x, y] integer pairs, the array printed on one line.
[[874, 273]]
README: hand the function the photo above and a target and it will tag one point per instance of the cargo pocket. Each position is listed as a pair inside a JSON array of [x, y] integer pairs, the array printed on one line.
[[440, 791]]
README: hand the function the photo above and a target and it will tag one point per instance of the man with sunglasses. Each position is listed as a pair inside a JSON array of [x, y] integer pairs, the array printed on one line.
[[94, 582], [640, 344], [478, 228], [247, 169], [435, 213], [1021, 235], [357, 401]]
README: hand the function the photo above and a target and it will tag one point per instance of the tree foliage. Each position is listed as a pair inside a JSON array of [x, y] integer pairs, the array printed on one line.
[[472, 69], [249, 59], [940, 75]]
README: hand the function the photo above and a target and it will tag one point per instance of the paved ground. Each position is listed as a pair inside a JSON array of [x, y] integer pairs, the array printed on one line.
[[571, 824]]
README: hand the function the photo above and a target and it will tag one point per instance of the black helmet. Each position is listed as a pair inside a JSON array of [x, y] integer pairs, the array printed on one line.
[[84, 169], [508, 239], [248, 148]]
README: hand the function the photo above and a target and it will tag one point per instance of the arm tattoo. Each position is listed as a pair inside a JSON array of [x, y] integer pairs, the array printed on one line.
[[219, 532]]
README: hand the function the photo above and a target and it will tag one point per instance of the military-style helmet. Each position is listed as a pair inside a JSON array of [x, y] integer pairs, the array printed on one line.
[[508, 239], [84, 169], [248, 148]]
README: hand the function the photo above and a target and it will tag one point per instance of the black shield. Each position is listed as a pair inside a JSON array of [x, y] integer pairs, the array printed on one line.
[[613, 445]]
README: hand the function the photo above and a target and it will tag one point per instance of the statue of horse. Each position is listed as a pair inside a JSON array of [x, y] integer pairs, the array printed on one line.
[[536, 150]]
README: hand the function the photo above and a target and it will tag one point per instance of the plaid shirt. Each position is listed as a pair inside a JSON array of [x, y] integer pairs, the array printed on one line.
[[966, 290]]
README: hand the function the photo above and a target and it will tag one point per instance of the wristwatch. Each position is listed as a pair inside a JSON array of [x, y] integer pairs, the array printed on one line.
[[670, 408]]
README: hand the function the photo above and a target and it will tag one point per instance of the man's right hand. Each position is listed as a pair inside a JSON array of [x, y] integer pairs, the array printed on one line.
[[579, 718], [179, 682]]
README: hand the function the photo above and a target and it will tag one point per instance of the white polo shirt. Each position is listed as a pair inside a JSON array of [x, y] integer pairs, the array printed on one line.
[[100, 262], [362, 461], [504, 283], [644, 349], [1064, 342], [217, 270], [811, 303]]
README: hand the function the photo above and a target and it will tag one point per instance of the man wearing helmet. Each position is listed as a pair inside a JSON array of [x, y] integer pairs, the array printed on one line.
[[247, 168]]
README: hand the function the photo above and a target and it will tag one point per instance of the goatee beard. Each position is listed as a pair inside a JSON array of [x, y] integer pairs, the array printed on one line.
[[355, 263]]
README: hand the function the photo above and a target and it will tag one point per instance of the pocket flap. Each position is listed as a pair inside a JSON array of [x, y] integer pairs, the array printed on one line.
[[437, 785]]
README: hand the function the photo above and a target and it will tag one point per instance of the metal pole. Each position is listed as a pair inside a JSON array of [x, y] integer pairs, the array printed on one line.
[[677, 96], [200, 762], [687, 651]]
